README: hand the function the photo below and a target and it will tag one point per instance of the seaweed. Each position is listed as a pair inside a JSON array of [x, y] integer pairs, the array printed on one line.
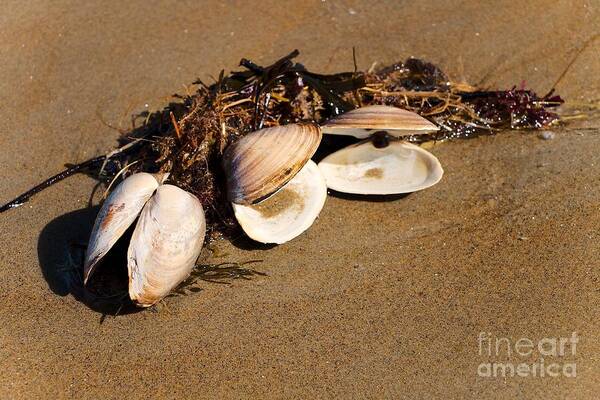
[[187, 138], [223, 273]]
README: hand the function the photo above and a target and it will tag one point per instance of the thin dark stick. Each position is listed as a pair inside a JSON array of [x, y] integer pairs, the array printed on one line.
[[570, 64], [23, 198], [257, 69]]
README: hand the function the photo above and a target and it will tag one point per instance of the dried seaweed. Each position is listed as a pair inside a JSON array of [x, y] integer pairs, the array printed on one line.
[[187, 138], [223, 273], [286, 92]]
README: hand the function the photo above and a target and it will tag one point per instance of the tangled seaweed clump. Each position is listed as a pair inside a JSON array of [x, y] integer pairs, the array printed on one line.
[[188, 137], [286, 92]]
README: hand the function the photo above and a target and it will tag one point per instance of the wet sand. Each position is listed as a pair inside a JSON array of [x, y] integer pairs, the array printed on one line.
[[379, 299]]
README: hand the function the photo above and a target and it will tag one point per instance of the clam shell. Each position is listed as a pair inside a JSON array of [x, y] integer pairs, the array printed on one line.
[[362, 168], [165, 244], [288, 212], [362, 122], [262, 162], [117, 213]]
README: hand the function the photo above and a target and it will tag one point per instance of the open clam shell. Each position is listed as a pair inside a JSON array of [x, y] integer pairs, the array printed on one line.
[[364, 121], [288, 212], [262, 162], [117, 214], [362, 168], [166, 241], [165, 244]]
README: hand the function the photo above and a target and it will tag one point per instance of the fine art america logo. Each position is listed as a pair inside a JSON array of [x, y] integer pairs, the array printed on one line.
[[524, 357]]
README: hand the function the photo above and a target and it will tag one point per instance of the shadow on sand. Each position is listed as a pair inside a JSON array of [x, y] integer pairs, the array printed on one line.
[[375, 198], [61, 252]]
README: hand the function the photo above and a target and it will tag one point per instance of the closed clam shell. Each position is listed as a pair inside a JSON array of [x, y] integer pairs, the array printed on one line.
[[364, 121], [262, 162], [117, 213], [165, 245], [288, 212], [362, 168]]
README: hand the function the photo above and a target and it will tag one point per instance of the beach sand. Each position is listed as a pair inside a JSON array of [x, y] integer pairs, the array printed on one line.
[[379, 299]]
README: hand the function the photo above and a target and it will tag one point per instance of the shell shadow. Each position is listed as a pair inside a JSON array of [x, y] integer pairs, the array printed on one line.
[[332, 143], [373, 198], [61, 251], [243, 242]]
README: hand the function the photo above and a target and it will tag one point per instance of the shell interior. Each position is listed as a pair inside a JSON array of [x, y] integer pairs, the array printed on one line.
[[262, 162], [400, 167], [364, 121], [289, 211], [118, 212]]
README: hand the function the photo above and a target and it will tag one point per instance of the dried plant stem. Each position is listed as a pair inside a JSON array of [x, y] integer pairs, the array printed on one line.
[[23, 198], [175, 125], [121, 172]]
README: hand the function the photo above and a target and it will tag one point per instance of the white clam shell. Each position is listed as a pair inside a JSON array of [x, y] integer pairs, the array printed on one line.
[[364, 121], [118, 212], [165, 244], [398, 168], [262, 162], [166, 241], [288, 212]]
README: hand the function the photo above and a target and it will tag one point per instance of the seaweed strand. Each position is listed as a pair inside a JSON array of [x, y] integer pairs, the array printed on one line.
[[24, 198]]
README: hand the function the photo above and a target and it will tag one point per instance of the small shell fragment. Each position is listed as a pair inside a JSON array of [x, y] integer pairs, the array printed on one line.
[[165, 244], [364, 121], [117, 214], [288, 212], [262, 162], [362, 168], [546, 135]]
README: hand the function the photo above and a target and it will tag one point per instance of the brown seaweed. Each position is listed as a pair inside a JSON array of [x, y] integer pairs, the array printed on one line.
[[188, 137]]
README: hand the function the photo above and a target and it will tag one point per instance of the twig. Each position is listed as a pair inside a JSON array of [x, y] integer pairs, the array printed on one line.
[[23, 198], [175, 125], [117, 177], [86, 165], [581, 50], [117, 151]]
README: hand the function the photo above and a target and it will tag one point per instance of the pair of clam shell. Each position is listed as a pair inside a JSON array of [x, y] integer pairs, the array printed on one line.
[[382, 163], [275, 189], [277, 192], [165, 243]]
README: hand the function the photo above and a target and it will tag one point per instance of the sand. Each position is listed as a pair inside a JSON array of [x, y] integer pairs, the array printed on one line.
[[379, 299]]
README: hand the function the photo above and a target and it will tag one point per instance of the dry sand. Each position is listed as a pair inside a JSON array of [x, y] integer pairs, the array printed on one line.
[[377, 300]]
